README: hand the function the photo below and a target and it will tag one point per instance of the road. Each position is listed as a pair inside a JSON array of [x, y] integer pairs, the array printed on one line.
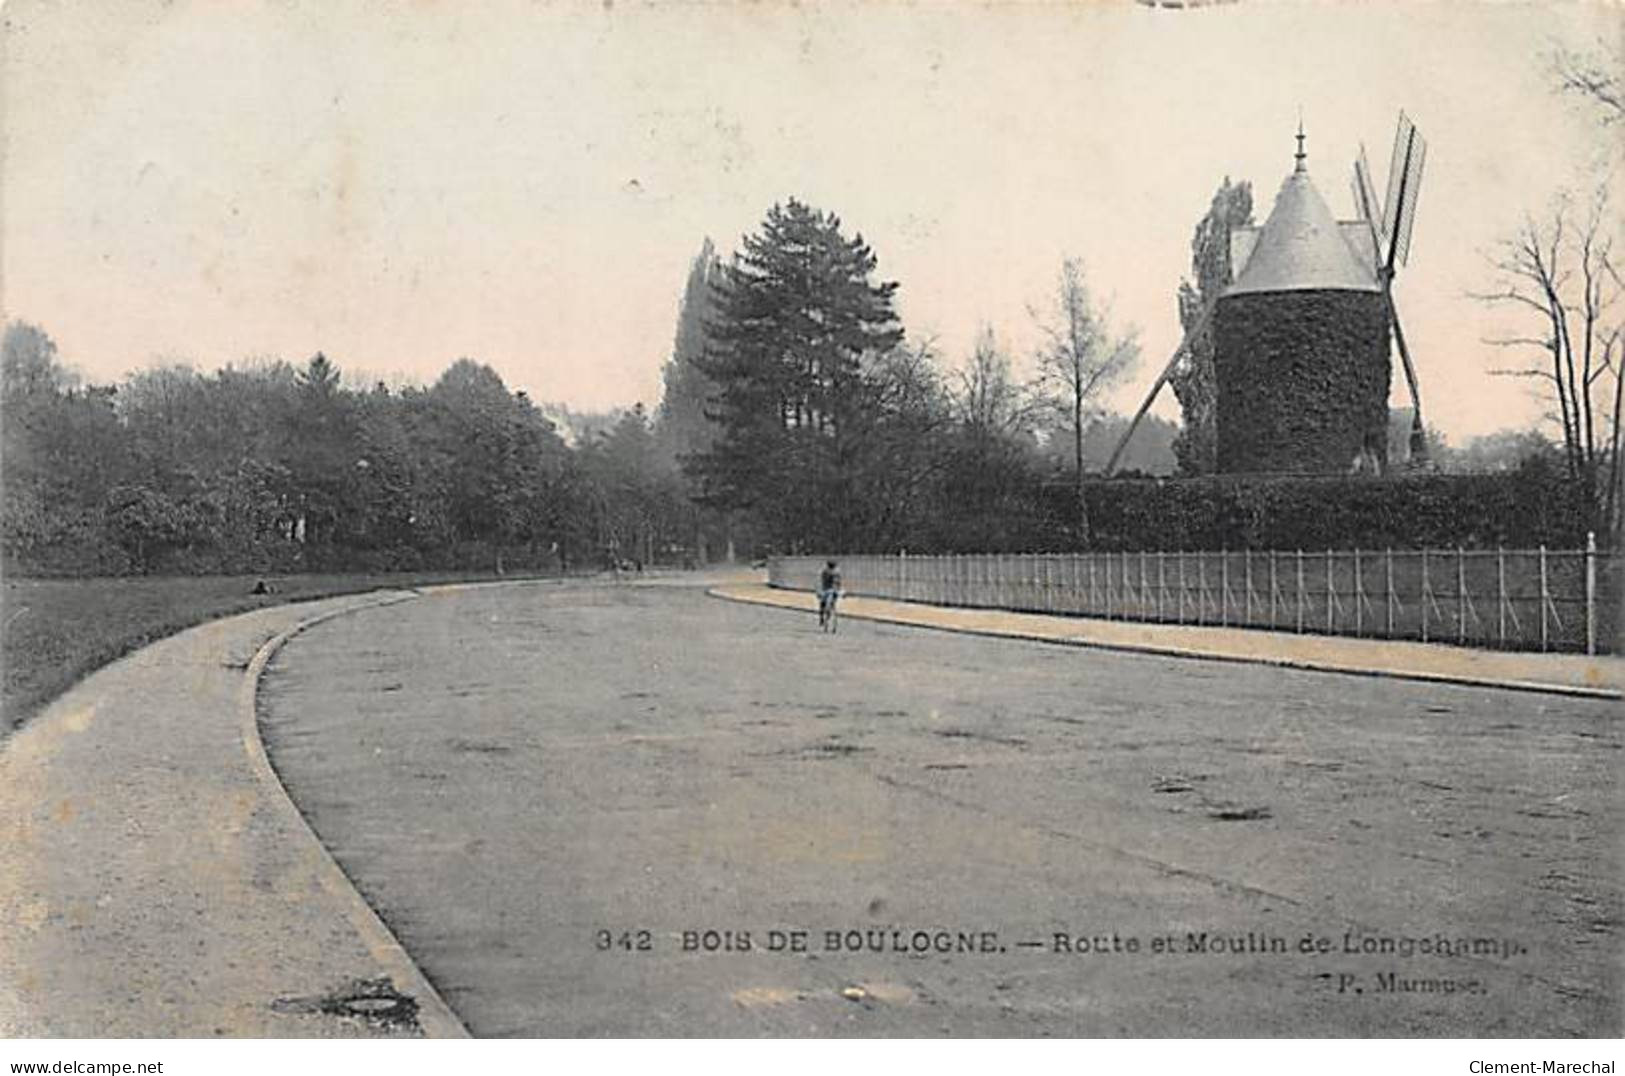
[[552, 792]]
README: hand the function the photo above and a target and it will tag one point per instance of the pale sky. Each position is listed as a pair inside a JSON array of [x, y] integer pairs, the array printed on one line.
[[400, 185]]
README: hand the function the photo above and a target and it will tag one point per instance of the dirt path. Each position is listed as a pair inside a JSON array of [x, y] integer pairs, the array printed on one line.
[[155, 882], [507, 773]]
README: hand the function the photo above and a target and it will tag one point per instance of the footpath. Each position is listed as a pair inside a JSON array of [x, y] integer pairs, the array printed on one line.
[[1564, 674], [155, 880]]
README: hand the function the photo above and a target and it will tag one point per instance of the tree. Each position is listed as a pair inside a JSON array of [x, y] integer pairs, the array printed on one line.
[[680, 423], [989, 453], [1560, 274], [1594, 76], [896, 446], [796, 313], [1500, 452], [29, 366], [61, 450], [492, 458], [1078, 360], [1193, 378], [990, 405], [1149, 451]]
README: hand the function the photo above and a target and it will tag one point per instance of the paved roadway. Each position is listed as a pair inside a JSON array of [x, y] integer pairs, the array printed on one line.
[[508, 772]]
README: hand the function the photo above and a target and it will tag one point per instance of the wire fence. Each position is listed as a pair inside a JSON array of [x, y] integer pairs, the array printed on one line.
[[1537, 599]]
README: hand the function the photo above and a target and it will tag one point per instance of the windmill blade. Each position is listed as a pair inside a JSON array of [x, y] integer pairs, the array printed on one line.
[[1156, 387], [1409, 190], [1365, 200], [1366, 195], [1418, 443], [1396, 174]]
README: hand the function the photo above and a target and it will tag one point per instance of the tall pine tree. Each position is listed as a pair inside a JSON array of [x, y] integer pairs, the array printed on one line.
[[795, 315], [681, 428]]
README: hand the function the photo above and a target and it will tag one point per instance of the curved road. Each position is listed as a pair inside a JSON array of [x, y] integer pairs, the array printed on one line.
[[552, 792]]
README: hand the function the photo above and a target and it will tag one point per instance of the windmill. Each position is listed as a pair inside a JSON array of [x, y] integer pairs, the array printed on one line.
[[1302, 247], [1389, 223]]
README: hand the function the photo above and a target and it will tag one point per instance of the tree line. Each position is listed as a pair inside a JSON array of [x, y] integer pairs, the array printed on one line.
[[271, 467], [798, 414]]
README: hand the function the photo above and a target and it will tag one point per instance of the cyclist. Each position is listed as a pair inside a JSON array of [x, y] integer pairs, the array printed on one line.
[[829, 589]]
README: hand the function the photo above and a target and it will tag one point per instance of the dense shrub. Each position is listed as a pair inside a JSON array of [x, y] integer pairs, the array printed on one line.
[[1520, 509]]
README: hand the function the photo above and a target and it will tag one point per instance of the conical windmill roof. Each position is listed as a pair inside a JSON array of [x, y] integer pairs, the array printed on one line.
[[1301, 248]]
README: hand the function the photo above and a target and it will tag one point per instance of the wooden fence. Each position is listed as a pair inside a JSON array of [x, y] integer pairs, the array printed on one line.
[[1511, 599]]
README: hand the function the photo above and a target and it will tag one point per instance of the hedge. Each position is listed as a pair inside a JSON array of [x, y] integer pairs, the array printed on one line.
[[1521, 509]]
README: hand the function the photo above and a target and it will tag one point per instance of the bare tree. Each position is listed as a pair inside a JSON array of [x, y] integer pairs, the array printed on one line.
[[1078, 360], [1561, 273], [1597, 75], [988, 401]]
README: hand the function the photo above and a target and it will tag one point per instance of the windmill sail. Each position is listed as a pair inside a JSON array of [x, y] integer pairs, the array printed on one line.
[[1365, 199], [1393, 244], [1396, 173], [1410, 188]]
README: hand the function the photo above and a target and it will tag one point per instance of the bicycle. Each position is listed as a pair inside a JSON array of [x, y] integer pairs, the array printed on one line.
[[827, 619]]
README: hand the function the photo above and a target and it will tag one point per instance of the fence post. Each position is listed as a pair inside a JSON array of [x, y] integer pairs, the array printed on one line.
[[1247, 575], [1388, 589], [1128, 611], [1461, 596], [1427, 594], [1359, 597], [1300, 592], [1331, 596], [1201, 586], [1501, 596], [1591, 592], [1114, 604], [1544, 597], [1144, 600], [1162, 581], [1275, 595], [1182, 586], [1224, 588]]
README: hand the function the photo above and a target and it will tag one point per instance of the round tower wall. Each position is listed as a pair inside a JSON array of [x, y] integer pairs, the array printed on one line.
[[1303, 380]]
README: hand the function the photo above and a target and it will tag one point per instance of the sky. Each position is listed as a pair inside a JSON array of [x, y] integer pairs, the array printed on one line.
[[400, 185]]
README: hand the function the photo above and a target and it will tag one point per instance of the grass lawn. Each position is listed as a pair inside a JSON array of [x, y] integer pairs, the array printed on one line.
[[53, 632]]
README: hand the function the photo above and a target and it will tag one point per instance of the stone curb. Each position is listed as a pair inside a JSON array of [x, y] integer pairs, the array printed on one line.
[[435, 1017], [772, 600]]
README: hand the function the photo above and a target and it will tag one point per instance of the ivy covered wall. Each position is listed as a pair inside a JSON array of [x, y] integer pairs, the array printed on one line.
[[1303, 381]]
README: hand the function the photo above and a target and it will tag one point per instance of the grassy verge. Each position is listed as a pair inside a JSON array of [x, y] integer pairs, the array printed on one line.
[[54, 632]]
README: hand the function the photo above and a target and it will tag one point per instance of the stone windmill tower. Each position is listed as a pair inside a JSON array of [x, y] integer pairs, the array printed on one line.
[[1301, 342]]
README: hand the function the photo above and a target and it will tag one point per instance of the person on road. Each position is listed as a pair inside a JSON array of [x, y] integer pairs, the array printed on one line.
[[829, 590]]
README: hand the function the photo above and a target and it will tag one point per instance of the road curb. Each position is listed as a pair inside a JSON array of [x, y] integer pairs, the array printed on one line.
[[1277, 661], [435, 1017]]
